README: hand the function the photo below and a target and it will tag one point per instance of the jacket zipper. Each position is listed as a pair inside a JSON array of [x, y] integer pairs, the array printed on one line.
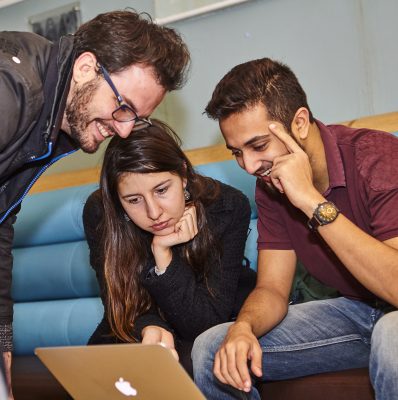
[[49, 151], [7, 213]]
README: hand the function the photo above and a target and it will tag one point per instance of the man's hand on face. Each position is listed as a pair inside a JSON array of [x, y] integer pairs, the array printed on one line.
[[231, 361], [292, 173]]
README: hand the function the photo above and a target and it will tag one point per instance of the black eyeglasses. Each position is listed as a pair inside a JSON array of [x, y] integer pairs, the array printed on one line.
[[124, 113]]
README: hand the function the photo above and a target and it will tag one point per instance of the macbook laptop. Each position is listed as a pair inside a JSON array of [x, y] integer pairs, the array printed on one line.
[[119, 372]]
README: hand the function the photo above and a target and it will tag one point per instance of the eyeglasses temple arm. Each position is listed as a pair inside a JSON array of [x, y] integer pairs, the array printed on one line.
[[110, 83]]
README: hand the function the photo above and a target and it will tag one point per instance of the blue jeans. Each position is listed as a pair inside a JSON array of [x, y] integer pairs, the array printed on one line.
[[314, 337]]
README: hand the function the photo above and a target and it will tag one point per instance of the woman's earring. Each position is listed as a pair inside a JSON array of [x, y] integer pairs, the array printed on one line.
[[187, 195], [126, 217]]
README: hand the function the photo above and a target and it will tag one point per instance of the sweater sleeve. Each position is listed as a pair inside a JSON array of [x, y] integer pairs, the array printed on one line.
[[152, 317], [186, 302]]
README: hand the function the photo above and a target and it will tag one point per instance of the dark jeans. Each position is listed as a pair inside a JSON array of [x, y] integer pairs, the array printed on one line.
[[314, 337]]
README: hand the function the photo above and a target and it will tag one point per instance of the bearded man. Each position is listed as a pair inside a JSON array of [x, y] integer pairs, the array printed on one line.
[[103, 81], [327, 196]]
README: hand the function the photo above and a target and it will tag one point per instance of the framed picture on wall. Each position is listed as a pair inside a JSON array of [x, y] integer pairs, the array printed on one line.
[[57, 22]]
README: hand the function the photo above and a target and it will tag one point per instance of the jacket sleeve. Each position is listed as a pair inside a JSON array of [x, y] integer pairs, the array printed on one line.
[[9, 110], [187, 303], [6, 303], [21, 87]]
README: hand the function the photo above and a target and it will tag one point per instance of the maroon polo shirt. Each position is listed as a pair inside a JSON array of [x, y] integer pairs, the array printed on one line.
[[363, 175]]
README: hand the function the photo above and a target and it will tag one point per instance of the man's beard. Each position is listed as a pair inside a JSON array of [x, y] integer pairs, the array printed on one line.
[[78, 118], [269, 187]]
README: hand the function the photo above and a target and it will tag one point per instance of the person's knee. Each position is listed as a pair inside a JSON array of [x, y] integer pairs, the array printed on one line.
[[384, 336], [384, 357], [207, 344], [384, 349]]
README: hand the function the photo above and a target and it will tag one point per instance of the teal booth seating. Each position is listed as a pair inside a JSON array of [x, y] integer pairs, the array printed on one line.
[[54, 288]]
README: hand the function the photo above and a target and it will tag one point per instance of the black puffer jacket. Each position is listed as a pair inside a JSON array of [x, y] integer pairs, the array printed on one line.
[[34, 83]]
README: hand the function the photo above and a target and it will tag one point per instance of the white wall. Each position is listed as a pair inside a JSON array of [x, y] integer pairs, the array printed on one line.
[[343, 52]]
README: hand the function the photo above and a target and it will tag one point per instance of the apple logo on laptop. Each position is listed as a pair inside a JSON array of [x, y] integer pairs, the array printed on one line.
[[125, 387]]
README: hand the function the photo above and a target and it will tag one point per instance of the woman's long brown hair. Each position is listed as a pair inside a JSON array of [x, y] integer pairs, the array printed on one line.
[[126, 246]]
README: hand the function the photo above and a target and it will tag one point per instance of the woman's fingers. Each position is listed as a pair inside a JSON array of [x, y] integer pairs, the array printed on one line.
[[153, 334]]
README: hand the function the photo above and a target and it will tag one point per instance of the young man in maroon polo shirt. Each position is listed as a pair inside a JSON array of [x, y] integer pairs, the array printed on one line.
[[328, 196]]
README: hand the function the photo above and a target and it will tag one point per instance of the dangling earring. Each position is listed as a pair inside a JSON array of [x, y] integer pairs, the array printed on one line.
[[126, 217], [187, 195]]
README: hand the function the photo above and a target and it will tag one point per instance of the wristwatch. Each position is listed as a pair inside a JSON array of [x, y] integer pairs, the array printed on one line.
[[324, 214]]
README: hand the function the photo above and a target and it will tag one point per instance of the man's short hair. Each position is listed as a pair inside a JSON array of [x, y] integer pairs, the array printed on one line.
[[259, 81], [123, 38]]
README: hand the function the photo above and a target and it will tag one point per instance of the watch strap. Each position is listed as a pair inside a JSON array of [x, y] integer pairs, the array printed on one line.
[[313, 223]]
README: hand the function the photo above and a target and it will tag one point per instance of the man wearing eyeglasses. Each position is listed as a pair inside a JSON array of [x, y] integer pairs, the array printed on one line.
[[55, 98]]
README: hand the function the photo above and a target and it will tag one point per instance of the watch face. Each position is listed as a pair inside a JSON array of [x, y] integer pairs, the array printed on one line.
[[327, 212]]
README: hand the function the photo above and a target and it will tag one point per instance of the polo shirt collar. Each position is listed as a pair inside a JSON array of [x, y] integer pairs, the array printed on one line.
[[333, 158]]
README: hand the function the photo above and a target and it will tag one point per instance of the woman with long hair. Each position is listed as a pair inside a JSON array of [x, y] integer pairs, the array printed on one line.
[[166, 243]]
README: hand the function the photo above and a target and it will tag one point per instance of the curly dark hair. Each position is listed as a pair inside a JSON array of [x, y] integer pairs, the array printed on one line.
[[123, 38], [259, 81]]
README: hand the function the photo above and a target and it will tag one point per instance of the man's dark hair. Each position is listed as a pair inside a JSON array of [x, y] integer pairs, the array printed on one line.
[[123, 38], [259, 81]]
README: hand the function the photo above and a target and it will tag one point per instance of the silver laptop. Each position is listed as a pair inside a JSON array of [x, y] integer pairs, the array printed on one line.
[[119, 372]]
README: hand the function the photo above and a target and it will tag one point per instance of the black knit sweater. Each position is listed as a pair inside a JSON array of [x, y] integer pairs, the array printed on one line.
[[187, 306]]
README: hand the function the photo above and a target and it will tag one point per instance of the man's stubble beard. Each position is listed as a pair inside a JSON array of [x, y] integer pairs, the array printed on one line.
[[78, 118], [269, 187]]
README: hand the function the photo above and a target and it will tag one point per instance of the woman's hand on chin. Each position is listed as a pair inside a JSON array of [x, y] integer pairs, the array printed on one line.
[[184, 231]]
